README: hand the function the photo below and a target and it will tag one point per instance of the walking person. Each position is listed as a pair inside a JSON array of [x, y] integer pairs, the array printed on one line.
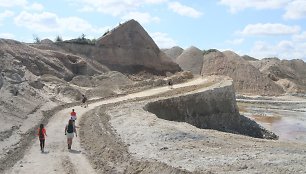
[[42, 133], [84, 99], [73, 115], [170, 84], [70, 130]]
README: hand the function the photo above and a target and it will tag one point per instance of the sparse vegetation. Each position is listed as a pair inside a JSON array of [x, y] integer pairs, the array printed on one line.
[[82, 40], [58, 39], [93, 41], [106, 32], [209, 51], [36, 39]]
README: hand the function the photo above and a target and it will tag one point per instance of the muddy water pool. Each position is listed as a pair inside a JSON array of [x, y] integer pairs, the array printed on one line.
[[287, 121]]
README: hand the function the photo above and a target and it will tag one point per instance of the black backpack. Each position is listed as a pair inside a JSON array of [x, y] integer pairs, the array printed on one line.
[[70, 128], [41, 134]]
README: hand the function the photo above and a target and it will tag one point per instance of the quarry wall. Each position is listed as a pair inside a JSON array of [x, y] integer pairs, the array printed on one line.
[[213, 108]]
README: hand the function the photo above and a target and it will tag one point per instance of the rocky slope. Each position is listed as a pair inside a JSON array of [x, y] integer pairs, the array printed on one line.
[[247, 78], [290, 74], [191, 60]]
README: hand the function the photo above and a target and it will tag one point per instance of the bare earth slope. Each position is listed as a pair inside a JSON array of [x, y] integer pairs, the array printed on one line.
[[127, 127], [247, 78], [191, 60], [127, 48], [131, 41], [39, 62], [290, 74], [173, 52]]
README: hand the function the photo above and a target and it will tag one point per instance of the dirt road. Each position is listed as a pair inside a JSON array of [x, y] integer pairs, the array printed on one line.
[[57, 158]]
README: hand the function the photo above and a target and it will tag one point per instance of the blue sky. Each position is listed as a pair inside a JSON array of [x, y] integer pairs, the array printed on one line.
[[259, 28]]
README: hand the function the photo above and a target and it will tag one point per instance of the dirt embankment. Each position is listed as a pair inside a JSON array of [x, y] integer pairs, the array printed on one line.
[[108, 154], [123, 138], [126, 139], [209, 109]]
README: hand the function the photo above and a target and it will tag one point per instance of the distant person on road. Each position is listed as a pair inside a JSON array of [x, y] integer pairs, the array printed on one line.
[[170, 84], [70, 130], [42, 136], [84, 99], [73, 115]]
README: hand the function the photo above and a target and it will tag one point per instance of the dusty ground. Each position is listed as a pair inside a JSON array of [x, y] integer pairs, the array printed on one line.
[[129, 134], [119, 137], [56, 155]]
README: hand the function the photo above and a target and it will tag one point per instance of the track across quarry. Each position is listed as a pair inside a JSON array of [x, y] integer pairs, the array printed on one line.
[[57, 158]]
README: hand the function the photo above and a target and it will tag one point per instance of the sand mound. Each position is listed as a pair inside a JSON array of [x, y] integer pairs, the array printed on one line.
[[131, 41], [191, 60], [247, 78], [248, 58], [173, 52]]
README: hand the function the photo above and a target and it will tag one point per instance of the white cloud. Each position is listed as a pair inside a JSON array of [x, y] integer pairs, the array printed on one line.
[[155, 1], [7, 35], [300, 37], [86, 9], [284, 50], [112, 7], [235, 41], [35, 6], [163, 40], [140, 17], [50, 22], [296, 10], [184, 10], [5, 14], [269, 29], [21, 3], [45, 22], [12, 3], [238, 5]]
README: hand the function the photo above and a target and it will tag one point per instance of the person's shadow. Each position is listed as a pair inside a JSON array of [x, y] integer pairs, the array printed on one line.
[[75, 151], [45, 152]]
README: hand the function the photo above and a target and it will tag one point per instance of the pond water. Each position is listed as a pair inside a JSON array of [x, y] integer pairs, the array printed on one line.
[[287, 124]]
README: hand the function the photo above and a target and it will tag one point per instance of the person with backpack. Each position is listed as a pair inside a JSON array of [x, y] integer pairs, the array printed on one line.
[[42, 136], [70, 130]]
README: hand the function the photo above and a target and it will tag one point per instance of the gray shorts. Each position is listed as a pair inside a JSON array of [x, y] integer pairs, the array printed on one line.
[[70, 135]]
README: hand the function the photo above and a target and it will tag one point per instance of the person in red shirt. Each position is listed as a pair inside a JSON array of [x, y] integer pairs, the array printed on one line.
[[42, 136], [73, 115]]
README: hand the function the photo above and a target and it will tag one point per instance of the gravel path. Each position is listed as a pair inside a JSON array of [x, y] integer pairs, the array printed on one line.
[[57, 158]]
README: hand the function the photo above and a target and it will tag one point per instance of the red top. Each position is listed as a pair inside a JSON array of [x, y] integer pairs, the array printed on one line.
[[43, 134], [73, 114]]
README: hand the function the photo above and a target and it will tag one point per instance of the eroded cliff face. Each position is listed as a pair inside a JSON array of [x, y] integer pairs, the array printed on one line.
[[209, 109]]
